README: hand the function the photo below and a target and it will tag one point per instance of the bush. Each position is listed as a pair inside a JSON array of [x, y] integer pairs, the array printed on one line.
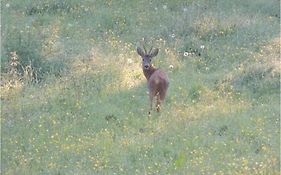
[[195, 93], [258, 79], [53, 7], [27, 46]]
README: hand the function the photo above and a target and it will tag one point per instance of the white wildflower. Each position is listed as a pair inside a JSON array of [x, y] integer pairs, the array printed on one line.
[[130, 61], [171, 66]]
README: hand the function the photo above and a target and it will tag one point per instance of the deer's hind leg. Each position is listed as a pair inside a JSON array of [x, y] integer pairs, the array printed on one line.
[[158, 102], [160, 98], [150, 103]]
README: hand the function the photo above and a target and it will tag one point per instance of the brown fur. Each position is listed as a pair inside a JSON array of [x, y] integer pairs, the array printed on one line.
[[157, 79]]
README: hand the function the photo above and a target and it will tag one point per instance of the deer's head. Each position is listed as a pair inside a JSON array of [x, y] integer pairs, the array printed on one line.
[[147, 56]]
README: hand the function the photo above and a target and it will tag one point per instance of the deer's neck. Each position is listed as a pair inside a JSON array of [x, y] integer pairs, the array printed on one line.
[[148, 72]]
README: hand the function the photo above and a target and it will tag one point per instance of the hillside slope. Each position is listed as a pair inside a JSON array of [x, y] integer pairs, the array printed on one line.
[[74, 99]]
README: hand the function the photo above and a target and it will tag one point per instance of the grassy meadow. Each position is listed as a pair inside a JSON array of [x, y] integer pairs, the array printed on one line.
[[74, 98]]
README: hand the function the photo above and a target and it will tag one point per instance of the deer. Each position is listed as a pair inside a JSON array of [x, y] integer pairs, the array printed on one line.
[[157, 79]]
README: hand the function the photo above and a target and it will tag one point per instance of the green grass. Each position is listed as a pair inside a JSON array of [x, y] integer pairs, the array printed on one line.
[[88, 112]]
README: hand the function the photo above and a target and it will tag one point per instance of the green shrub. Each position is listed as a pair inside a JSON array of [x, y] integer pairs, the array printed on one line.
[[257, 79], [195, 93], [27, 46], [52, 7]]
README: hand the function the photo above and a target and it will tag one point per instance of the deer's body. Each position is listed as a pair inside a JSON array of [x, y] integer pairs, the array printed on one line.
[[157, 80]]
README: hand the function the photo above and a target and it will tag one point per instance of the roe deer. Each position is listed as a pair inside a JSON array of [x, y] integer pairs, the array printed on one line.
[[157, 80]]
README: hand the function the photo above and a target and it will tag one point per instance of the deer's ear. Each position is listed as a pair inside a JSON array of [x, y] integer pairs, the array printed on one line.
[[154, 52], [140, 51]]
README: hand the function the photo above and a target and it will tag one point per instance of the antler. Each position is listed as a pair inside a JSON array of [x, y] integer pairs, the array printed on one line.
[[144, 49], [150, 50], [143, 45]]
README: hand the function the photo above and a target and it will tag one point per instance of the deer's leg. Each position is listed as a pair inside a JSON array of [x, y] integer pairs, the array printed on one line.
[[150, 103], [158, 103], [160, 97]]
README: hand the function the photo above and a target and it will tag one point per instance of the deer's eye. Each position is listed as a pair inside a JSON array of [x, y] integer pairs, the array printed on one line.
[[150, 60], [142, 59]]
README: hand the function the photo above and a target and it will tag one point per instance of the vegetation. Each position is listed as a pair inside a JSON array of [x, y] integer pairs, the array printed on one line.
[[73, 95]]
